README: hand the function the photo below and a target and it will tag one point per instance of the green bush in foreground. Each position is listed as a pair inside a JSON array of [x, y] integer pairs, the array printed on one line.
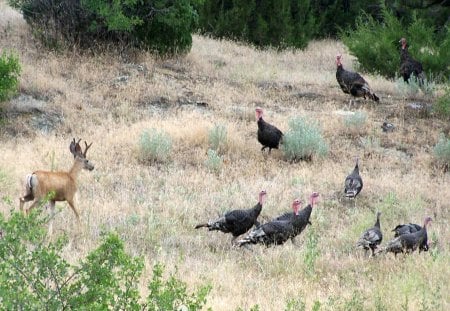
[[303, 140], [155, 146], [34, 275], [9, 75]]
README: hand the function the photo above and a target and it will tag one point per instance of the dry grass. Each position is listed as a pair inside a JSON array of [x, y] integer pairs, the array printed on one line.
[[155, 207]]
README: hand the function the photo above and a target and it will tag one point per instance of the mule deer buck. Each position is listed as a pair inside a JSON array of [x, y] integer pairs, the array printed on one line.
[[60, 185]]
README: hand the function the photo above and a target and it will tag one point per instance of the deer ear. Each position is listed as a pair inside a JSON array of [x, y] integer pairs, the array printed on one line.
[[75, 148]]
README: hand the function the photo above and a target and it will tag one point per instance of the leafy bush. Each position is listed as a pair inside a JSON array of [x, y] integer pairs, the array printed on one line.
[[414, 85], [9, 75], [214, 161], [442, 151], [163, 26], [375, 44], [217, 138], [355, 123], [34, 275], [303, 140], [442, 105], [155, 146], [172, 294]]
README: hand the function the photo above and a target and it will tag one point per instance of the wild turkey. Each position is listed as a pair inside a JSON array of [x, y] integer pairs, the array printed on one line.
[[372, 237], [268, 135], [237, 222], [302, 220], [353, 183], [408, 65], [352, 82], [411, 228], [274, 232], [408, 242]]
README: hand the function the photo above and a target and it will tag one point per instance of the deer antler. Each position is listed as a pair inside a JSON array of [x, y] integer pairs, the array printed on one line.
[[86, 149]]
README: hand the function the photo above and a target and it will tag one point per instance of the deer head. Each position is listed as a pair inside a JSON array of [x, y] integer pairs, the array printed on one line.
[[79, 154]]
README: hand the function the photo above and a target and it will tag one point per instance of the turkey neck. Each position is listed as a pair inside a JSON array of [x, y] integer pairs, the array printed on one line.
[[304, 214], [257, 209], [377, 223], [261, 123], [339, 69]]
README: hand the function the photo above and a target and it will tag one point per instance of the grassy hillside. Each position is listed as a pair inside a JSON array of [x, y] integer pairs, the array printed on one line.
[[111, 99]]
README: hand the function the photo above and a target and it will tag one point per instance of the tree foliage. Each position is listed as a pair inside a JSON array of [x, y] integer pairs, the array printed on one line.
[[276, 23], [376, 45], [163, 26]]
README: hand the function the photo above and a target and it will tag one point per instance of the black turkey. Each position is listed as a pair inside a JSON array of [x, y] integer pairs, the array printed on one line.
[[408, 242], [273, 232], [352, 82], [268, 135], [302, 220], [411, 228], [408, 65], [237, 222], [372, 237], [353, 183]]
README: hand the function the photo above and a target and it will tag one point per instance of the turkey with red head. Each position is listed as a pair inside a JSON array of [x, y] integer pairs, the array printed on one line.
[[268, 135], [408, 65], [237, 222], [275, 232], [352, 82]]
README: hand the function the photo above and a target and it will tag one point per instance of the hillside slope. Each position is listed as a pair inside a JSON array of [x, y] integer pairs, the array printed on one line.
[[110, 99]]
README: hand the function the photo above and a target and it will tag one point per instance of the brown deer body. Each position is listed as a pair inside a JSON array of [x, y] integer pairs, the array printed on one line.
[[61, 186]]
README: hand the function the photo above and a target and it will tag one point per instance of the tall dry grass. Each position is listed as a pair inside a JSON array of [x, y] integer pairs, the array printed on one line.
[[111, 99]]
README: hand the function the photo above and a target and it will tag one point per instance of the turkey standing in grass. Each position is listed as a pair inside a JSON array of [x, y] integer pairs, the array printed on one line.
[[408, 65], [411, 228], [237, 222], [353, 183], [274, 232], [408, 242], [372, 237], [352, 82], [302, 220], [268, 135]]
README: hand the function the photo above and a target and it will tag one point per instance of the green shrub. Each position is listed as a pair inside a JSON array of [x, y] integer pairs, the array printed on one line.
[[376, 45], [442, 106], [214, 161], [35, 276], [303, 140], [9, 75], [442, 151], [414, 85], [163, 26], [356, 123], [155, 146], [172, 294], [217, 138]]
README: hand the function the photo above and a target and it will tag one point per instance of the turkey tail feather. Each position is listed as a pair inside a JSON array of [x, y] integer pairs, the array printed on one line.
[[201, 225]]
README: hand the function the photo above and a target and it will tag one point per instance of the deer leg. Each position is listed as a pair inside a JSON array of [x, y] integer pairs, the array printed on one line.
[[72, 206], [35, 203], [52, 215], [26, 198]]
